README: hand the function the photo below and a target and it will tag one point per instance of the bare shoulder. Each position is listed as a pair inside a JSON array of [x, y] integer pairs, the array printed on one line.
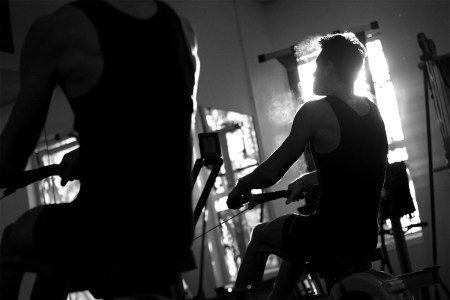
[[314, 109], [62, 25], [52, 37], [319, 104], [43, 44], [313, 116], [191, 38]]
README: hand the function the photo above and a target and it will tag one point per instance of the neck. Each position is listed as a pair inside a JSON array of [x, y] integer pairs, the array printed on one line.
[[343, 91]]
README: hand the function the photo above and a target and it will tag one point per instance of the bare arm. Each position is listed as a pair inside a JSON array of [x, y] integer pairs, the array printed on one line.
[[193, 45], [38, 68], [300, 185], [191, 39], [71, 163], [274, 168]]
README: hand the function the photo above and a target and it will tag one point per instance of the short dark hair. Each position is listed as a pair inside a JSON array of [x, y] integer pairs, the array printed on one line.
[[346, 52]]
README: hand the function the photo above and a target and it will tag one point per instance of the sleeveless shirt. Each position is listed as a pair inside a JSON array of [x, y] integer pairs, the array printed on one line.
[[351, 178], [134, 132]]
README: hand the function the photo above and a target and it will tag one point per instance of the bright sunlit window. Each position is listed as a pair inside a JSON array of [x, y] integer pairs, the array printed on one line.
[[51, 190], [385, 99]]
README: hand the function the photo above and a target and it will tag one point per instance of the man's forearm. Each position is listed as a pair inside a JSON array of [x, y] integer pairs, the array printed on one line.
[[262, 177]]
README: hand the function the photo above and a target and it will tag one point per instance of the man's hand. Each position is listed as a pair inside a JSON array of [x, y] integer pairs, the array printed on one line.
[[72, 166], [239, 196], [300, 186]]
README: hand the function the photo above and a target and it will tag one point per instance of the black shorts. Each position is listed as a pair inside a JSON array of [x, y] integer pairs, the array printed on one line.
[[314, 237], [301, 237], [66, 240], [73, 255], [54, 239]]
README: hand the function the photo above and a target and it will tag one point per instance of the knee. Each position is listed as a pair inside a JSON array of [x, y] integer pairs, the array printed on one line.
[[7, 231], [5, 241], [19, 236], [257, 232], [260, 243]]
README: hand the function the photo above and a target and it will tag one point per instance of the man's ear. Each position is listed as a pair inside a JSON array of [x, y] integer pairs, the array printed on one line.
[[330, 68]]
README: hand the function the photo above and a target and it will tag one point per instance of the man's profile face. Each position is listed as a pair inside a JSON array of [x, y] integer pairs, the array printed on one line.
[[320, 77]]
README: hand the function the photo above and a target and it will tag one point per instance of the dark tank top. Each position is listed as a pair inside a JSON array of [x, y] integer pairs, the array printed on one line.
[[134, 133], [351, 178]]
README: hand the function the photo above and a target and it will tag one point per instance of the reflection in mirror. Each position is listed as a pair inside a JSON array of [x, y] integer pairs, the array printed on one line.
[[241, 156]]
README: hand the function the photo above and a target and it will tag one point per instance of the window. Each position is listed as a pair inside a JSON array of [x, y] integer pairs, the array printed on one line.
[[50, 189]]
